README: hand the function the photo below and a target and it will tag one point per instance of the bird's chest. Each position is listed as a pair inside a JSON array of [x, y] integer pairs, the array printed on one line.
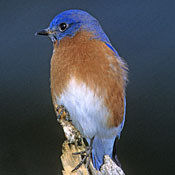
[[80, 61], [76, 84], [87, 110], [85, 78]]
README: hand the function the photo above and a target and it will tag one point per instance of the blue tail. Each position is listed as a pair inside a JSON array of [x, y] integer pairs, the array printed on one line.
[[101, 147]]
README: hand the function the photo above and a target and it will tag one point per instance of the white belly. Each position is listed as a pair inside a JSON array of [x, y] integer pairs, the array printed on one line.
[[87, 111]]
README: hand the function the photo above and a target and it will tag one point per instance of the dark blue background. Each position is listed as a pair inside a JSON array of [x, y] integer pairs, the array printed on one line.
[[143, 32]]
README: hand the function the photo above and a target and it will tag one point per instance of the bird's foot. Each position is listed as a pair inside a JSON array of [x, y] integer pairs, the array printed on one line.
[[62, 113], [86, 154], [86, 157]]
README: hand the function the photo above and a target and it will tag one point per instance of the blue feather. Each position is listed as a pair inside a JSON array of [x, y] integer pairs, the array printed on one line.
[[110, 46]]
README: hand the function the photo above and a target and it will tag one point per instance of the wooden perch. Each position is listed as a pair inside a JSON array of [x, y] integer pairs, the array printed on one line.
[[75, 143]]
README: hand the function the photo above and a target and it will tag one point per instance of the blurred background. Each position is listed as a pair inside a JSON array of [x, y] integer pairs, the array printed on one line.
[[143, 32]]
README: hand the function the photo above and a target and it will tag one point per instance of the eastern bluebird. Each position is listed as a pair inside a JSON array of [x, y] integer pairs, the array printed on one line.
[[88, 78]]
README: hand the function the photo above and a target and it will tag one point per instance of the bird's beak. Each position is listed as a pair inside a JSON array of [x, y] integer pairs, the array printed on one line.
[[45, 32], [48, 32]]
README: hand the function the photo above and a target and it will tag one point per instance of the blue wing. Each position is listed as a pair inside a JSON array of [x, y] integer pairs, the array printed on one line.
[[110, 46], [123, 122]]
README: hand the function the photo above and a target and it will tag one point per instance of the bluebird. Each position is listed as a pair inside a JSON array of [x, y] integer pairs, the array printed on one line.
[[88, 77]]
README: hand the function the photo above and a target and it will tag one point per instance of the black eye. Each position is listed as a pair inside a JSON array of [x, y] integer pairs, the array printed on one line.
[[63, 27]]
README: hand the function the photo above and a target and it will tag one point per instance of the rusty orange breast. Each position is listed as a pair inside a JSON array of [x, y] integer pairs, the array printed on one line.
[[90, 61]]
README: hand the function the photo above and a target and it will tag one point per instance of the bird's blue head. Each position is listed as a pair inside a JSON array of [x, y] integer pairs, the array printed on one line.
[[69, 22]]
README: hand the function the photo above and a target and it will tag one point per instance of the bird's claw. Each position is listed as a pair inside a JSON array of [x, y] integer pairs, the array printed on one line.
[[86, 157]]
